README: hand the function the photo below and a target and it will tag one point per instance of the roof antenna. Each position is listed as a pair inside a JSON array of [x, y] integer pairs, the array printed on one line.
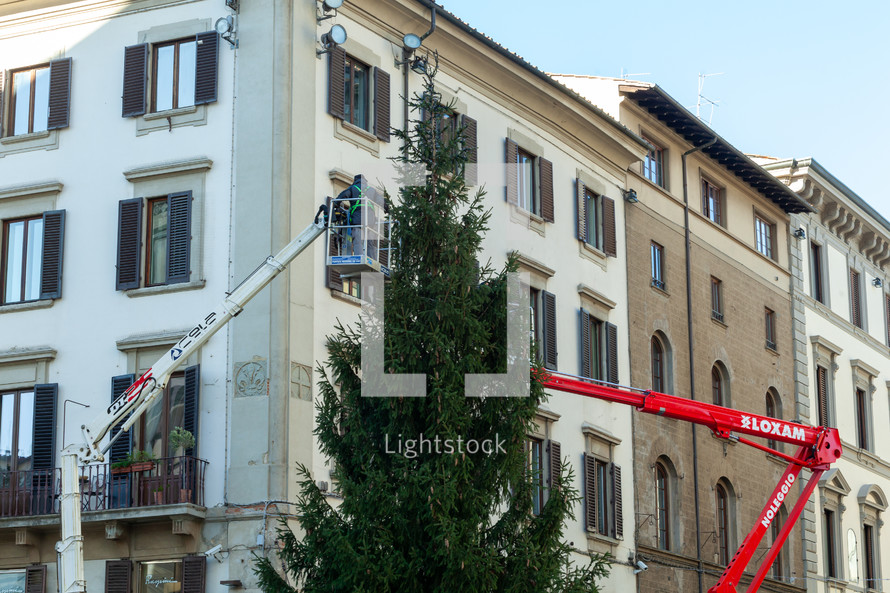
[[701, 84], [625, 75]]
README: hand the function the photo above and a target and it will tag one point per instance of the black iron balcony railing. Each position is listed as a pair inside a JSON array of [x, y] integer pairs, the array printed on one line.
[[171, 480]]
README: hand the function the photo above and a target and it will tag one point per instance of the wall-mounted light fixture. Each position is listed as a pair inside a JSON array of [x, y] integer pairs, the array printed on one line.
[[326, 7], [877, 282], [410, 44], [800, 233], [233, 4], [630, 196], [419, 65], [225, 26], [336, 36]]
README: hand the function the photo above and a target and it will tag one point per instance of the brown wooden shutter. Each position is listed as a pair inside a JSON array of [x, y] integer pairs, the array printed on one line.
[[191, 406], [135, 80], [609, 240], [822, 394], [471, 172], [381, 104], [546, 168], [590, 492], [586, 370], [887, 313], [2, 80], [44, 445], [193, 574], [612, 352], [59, 94], [549, 318], [121, 447], [129, 243], [179, 217], [555, 458], [617, 510], [206, 67], [855, 303], [118, 576], [332, 276], [337, 82], [512, 161], [53, 240], [581, 209], [35, 579]]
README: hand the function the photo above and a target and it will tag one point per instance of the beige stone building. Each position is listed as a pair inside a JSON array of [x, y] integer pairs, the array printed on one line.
[[726, 300]]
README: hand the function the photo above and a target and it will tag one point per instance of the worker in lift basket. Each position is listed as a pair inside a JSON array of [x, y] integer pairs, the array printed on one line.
[[354, 203]]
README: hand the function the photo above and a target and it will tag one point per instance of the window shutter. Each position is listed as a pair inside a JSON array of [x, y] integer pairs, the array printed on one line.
[[206, 67], [822, 387], [590, 492], [179, 208], [35, 579], [546, 169], [549, 318], [129, 243], [121, 447], [44, 450], [886, 306], [581, 209], [193, 574], [332, 276], [337, 82], [59, 93], [135, 80], [512, 160], [855, 304], [554, 449], [612, 352], [118, 576], [609, 242], [381, 104], [2, 80], [586, 371], [192, 404], [617, 508], [471, 148], [53, 240]]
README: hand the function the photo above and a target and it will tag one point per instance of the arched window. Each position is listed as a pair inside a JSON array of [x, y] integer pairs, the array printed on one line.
[[718, 387], [773, 410], [781, 561], [723, 524], [658, 376], [662, 506]]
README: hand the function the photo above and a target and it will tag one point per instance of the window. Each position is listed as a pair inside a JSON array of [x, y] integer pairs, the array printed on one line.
[[662, 507], [39, 98], [868, 543], [764, 235], [529, 181], [27, 439], [656, 254], [543, 325], [855, 298], [822, 395], [16, 430], [358, 93], [770, 321], [863, 421], [167, 227], [653, 164], [32, 258], [831, 543], [183, 74], [32, 578], [773, 410], [182, 575], [781, 562], [722, 524], [603, 509], [712, 206], [658, 376], [596, 219], [161, 577], [599, 348], [817, 279], [177, 408], [719, 385], [536, 473], [717, 299]]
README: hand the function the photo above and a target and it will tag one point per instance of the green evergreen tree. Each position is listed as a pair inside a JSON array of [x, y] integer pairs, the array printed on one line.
[[435, 522]]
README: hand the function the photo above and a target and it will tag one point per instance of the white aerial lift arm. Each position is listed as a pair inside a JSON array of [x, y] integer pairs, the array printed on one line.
[[147, 388]]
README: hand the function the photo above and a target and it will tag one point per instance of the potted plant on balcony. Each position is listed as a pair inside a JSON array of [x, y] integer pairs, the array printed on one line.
[[135, 461], [158, 492], [184, 439]]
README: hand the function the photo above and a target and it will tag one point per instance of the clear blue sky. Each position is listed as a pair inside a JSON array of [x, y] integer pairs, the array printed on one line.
[[800, 79]]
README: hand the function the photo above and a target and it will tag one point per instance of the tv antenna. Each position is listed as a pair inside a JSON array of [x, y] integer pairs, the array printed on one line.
[[701, 97], [626, 75]]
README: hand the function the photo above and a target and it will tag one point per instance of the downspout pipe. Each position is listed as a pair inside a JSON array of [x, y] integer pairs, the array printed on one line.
[[700, 569], [406, 63]]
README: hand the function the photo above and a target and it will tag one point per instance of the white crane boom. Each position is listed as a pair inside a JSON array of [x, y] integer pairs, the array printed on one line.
[[147, 388]]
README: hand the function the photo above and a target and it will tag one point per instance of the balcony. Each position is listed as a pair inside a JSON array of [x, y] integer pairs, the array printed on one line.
[[167, 481]]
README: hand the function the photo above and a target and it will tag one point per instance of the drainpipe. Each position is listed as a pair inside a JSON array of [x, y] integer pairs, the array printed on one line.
[[698, 558], [406, 65]]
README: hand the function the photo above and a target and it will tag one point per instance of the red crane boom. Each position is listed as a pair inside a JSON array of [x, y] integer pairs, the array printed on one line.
[[819, 447]]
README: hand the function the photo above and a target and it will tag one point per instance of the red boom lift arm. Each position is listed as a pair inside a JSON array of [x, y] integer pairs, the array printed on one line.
[[819, 447]]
